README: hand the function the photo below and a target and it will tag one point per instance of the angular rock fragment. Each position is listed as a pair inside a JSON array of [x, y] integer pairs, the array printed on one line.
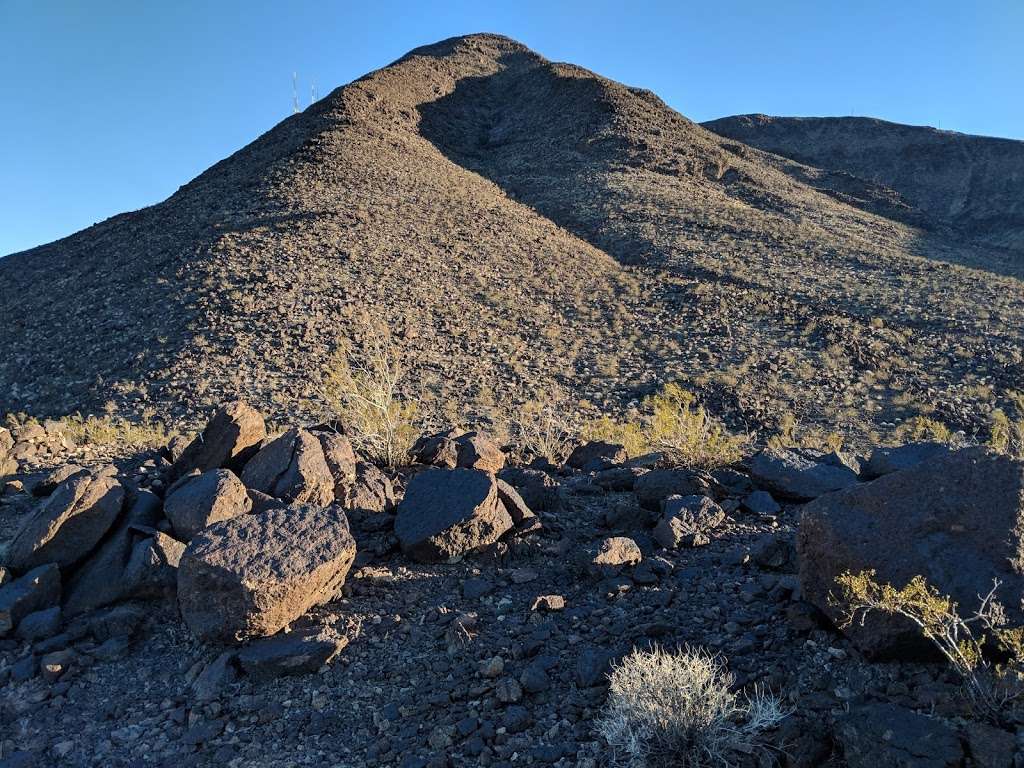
[[609, 557], [291, 653], [596, 455], [477, 451], [36, 590], [341, 461], [227, 439], [688, 521]]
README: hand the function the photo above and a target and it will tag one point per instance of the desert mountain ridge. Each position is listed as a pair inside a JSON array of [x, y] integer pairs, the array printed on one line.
[[530, 230]]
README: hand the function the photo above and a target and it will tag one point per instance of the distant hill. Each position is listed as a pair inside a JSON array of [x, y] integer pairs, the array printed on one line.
[[530, 230], [974, 184]]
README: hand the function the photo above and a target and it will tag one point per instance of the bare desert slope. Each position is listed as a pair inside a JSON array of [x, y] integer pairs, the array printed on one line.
[[529, 230]]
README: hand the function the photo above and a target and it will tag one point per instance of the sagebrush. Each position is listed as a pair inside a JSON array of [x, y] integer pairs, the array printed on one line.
[[677, 709]]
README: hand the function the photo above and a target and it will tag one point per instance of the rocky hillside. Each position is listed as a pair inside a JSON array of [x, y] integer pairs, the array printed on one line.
[[529, 230], [974, 184]]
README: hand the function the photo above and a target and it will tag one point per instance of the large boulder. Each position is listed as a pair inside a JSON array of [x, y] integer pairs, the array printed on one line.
[[69, 524], [657, 485], [196, 501], [100, 580], [885, 461], [957, 521], [36, 590], [253, 575], [799, 474], [293, 468], [226, 441], [887, 736], [447, 513]]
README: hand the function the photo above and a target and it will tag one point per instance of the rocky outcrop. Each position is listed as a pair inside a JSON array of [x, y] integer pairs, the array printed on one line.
[[447, 513], [253, 575], [69, 524], [884, 461], [958, 521]]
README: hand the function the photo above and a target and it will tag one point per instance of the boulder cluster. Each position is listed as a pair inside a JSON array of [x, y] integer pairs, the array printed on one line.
[[247, 532]]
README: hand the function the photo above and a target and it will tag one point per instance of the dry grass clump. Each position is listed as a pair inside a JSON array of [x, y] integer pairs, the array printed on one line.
[[923, 428], [995, 690], [677, 425], [1007, 433], [791, 435], [362, 393], [677, 709], [112, 430]]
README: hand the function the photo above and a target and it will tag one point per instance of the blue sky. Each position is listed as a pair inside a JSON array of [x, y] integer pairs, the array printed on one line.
[[110, 105]]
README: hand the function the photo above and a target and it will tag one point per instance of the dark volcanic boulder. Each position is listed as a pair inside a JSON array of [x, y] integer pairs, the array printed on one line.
[[438, 450], [540, 491], [687, 521], [52, 480], [610, 556], [799, 474], [887, 736], [958, 521], [100, 579], [233, 431], [657, 485], [450, 512], [522, 516], [196, 501], [292, 467], [884, 461], [36, 590], [290, 653], [596, 455], [69, 524], [253, 575]]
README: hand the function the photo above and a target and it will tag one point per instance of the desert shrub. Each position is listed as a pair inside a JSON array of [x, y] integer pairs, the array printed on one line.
[[113, 430], [923, 428], [542, 429], [675, 424], [677, 709], [994, 689], [362, 393], [687, 433], [790, 435], [1007, 433]]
